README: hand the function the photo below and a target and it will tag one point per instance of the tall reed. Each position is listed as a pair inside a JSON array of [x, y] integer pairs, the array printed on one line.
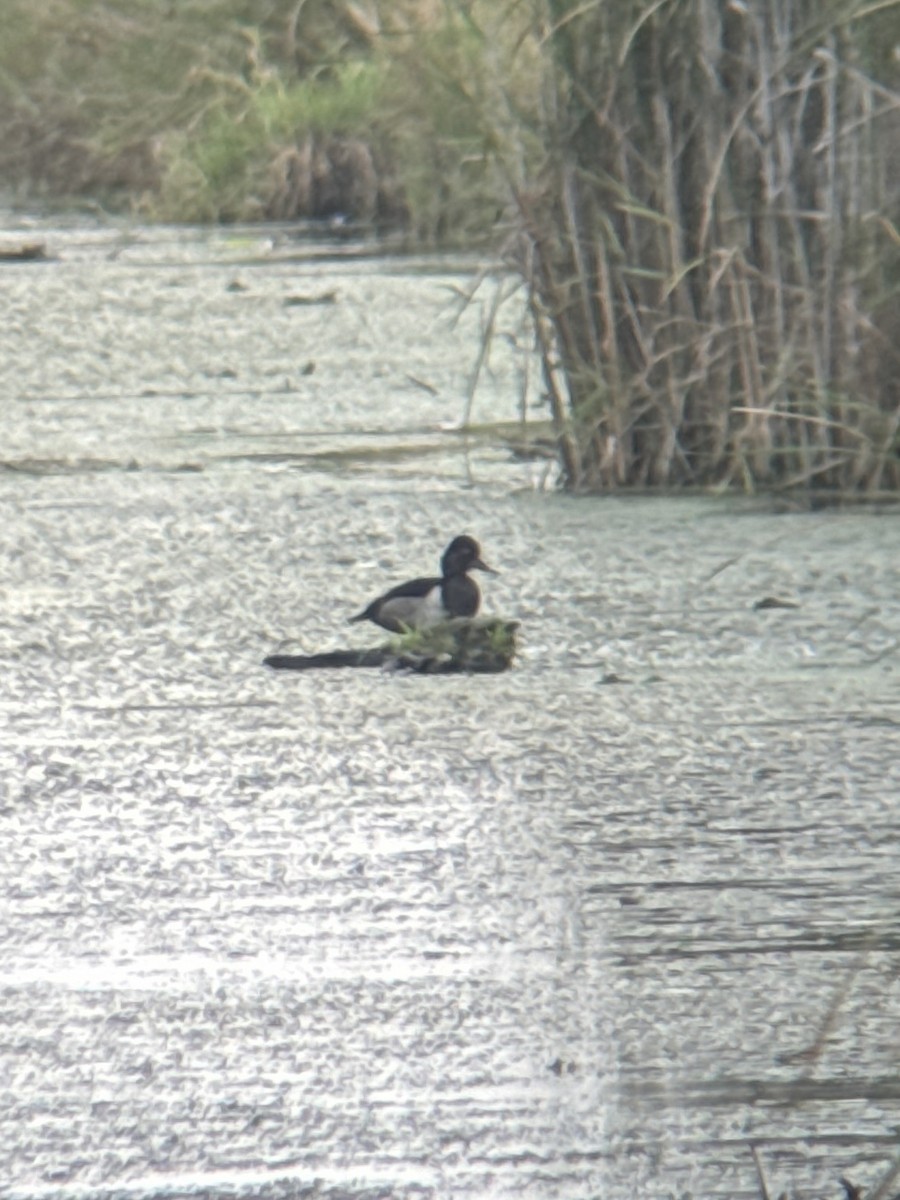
[[710, 242]]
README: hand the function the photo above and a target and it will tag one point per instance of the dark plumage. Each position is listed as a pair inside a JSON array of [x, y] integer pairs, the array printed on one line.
[[426, 601]]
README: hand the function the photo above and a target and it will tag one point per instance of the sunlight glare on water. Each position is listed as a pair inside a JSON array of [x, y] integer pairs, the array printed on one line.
[[556, 933]]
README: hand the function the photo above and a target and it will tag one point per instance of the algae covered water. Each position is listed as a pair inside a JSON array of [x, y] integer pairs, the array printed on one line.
[[592, 927]]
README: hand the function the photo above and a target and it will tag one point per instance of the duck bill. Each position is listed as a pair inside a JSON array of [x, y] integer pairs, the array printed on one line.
[[482, 566]]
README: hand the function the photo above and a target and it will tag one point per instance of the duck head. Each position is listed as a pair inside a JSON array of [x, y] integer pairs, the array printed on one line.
[[462, 555]]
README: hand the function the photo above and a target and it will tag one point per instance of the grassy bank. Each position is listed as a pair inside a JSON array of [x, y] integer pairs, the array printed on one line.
[[233, 110]]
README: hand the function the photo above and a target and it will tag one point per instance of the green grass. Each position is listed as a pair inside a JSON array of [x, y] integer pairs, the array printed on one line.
[[479, 644], [346, 100]]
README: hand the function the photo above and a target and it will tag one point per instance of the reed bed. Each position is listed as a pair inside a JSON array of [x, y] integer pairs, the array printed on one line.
[[710, 244]]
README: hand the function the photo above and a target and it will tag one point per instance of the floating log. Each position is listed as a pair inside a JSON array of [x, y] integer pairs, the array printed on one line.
[[299, 301], [24, 252], [333, 658], [480, 645], [773, 602]]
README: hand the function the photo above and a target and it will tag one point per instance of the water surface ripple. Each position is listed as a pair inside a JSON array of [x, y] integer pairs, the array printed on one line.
[[368, 935]]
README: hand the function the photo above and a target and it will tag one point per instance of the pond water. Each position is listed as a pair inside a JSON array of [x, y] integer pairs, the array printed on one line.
[[565, 932]]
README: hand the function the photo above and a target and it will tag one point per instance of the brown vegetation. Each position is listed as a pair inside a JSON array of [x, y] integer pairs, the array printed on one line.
[[711, 248], [322, 177]]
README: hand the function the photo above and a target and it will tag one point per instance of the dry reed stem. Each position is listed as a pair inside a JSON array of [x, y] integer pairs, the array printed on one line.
[[760, 1174], [705, 294], [484, 345]]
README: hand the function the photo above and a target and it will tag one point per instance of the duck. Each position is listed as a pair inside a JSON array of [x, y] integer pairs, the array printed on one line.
[[420, 603]]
